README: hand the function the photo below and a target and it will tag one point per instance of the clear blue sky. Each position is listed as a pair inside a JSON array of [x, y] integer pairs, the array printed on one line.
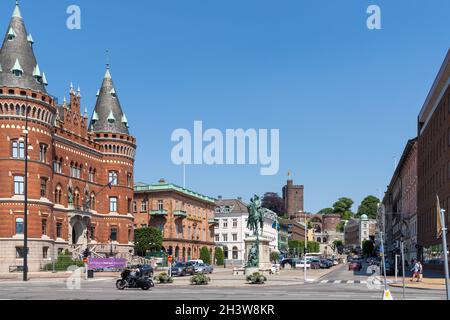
[[345, 98]]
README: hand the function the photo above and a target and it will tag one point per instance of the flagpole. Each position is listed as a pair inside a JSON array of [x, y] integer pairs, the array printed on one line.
[[444, 244]]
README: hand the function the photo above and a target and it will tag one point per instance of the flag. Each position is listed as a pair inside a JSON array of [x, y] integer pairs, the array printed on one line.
[[110, 185], [439, 222]]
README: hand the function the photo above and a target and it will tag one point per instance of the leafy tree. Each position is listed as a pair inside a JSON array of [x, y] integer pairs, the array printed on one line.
[[369, 207], [205, 255], [299, 246], [219, 256], [326, 211], [368, 248], [275, 256], [147, 239], [274, 202], [340, 227], [343, 207]]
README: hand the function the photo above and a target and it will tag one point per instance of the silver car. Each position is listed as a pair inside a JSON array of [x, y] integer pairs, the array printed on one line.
[[203, 268]]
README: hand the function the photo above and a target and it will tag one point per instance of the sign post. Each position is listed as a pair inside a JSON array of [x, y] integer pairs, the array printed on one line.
[[86, 267], [170, 260]]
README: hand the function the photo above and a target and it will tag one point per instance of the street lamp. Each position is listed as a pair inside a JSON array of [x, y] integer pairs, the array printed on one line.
[[25, 229]]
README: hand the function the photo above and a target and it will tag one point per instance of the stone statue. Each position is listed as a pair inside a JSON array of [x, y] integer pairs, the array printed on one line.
[[255, 224]]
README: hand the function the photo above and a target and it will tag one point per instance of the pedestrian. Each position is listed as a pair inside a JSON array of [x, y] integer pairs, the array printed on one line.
[[415, 271], [420, 272]]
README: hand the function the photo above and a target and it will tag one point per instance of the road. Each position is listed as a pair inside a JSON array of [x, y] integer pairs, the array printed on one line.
[[340, 284]]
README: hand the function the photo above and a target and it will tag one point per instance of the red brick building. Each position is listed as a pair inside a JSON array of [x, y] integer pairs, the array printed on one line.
[[293, 199], [186, 218], [71, 163], [434, 164]]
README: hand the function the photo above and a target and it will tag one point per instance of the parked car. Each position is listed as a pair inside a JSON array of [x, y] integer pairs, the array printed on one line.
[[203, 268], [354, 266], [182, 269], [325, 264], [301, 264], [315, 264]]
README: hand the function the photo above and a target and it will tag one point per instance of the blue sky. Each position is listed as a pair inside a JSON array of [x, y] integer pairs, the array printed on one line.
[[345, 98]]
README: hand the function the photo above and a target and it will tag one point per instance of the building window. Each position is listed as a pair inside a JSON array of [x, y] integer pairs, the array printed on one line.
[[43, 188], [113, 234], [91, 175], [57, 165], [19, 226], [235, 253], [43, 153], [45, 252], [225, 253], [113, 204], [144, 206], [18, 149], [160, 205], [225, 237], [235, 223], [20, 252], [44, 227], [59, 230], [225, 224], [113, 178], [217, 237], [129, 235], [58, 195], [134, 207], [92, 202], [19, 182], [129, 180], [235, 237]]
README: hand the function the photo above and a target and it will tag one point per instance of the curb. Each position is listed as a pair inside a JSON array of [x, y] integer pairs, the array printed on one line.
[[394, 285]]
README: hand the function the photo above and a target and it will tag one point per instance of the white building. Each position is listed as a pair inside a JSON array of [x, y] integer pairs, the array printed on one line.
[[232, 230]]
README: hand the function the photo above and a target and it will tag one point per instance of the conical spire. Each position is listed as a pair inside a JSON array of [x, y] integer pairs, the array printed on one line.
[[108, 112], [16, 48]]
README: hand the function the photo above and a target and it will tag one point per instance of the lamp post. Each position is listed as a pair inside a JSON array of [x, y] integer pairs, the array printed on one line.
[[25, 229]]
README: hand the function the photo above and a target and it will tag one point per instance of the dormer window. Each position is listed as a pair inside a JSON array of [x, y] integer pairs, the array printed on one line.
[[113, 93], [30, 40], [37, 74], [111, 118], [11, 34], [17, 69]]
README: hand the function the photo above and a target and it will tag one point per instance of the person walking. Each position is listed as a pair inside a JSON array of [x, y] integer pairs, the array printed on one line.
[[415, 271], [420, 272]]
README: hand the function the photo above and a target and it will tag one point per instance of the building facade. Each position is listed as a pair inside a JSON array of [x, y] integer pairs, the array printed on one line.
[[357, 231], [80, 172], [433, 161], [185, 218], [231, 230], [293, 199]]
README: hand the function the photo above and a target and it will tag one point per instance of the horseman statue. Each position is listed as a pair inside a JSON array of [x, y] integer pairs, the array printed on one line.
[[256, 225]]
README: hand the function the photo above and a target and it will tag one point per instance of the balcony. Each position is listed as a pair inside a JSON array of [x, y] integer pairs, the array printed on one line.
[[213, 221], [158, 213], [77, 210], [180, 214]]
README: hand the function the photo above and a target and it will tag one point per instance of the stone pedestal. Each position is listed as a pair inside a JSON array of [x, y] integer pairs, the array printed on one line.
[[264, 254]]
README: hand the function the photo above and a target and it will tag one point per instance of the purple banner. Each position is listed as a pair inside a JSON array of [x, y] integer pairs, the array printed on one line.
[[111, 263]]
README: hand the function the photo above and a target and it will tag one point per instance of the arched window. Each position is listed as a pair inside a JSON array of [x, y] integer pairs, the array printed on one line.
[[18, 149], [225, 253], [58, 194], [76, 199], [92, 201], [235, 253]]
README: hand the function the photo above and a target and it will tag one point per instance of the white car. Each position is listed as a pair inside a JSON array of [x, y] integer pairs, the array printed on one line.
[[301, 264]]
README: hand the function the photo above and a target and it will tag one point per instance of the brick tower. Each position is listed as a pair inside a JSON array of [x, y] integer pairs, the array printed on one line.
[[80, 177]]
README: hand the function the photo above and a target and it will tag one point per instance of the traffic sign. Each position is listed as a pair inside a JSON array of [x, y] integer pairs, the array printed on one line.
[[85, 260], [170, 259]]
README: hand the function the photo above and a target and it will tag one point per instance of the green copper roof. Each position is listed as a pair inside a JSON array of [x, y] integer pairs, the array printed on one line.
[[172, 187]]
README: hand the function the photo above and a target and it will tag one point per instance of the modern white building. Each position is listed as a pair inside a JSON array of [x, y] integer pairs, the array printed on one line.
[[231, 232]]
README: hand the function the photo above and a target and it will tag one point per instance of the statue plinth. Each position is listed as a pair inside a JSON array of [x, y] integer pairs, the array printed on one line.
[[264, 254]]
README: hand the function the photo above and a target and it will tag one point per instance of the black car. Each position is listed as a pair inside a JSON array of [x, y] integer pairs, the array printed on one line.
[[182, 269]]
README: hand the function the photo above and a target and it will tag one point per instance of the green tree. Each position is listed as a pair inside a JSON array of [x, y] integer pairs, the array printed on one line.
[[205, 255], [147, 239], [219, 256], [343, 207], [368, 248], [369, 207], [274, 256], [326, 211], [274, 202], [340, 227]]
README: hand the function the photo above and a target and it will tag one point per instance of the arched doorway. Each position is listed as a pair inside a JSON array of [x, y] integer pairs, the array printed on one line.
[[184, 255], [177, 253], [77, 233], [189, 254], [235, 253]]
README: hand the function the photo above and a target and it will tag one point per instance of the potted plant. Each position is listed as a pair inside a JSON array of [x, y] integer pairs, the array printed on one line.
[[163, 278], [200, 280], [256, 278]]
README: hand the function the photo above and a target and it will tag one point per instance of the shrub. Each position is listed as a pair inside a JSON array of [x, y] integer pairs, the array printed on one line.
[[219, 256], [63, 262], [275, 256], [256, 278], [205, 255], [200, 279], [163, 278]]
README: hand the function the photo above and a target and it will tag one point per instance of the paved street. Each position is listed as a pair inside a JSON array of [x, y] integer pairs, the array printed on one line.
[[340, 284]]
